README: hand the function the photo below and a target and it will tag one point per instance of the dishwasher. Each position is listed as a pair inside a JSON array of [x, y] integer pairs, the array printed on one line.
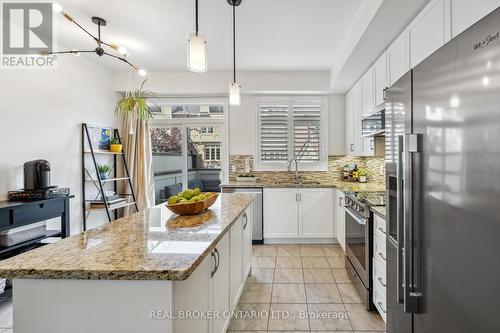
[[257, 212]]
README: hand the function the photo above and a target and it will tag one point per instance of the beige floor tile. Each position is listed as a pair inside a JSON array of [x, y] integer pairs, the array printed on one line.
[[318, 275], [239, 332], [341, 275], [288, 293], [348, 293], [312, 251], [336, 262], [288, 275], [288, 262], [333, 250], [288, 317], [246, 321], [322, 293], [261, 275], [328, 317], [256, 293], [289, 251], [363, 320], [264, 250], [263, 262], [314, 262]]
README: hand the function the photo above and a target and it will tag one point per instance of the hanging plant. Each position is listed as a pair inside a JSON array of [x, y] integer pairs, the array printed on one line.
[[134, 102]]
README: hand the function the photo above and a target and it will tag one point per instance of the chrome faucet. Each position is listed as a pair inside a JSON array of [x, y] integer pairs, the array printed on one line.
[[296, 168]]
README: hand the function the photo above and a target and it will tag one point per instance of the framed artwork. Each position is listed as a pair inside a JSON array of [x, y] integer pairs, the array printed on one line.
[[100, 136]]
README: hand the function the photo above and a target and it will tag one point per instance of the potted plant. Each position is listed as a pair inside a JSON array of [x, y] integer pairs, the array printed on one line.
[[103, 171], [115, 145], [134, 102], [362, 173]]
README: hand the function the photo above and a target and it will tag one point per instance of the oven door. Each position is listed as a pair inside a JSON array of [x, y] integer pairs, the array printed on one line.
[[357, 244]]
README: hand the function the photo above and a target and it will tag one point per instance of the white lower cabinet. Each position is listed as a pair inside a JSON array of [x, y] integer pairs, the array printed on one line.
[[216, 284], [247, 243], [379, 266], [236, 275], [280, 213], [298, 213], [219, 291], [340, 218]]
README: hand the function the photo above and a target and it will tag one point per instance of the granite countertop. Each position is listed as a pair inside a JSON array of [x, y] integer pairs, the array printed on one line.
[[341, 185], [378, 210], [149, 245]]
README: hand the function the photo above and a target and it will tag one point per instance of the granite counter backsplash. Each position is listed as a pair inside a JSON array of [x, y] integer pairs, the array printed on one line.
[[374, 165]]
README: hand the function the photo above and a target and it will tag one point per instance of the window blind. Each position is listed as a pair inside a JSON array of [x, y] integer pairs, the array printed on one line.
[[274, 132], [307, 132]]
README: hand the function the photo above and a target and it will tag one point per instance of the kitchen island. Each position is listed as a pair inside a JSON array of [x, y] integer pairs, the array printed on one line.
[[141, 273]]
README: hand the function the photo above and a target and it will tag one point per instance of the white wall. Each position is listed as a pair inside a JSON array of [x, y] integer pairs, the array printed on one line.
[[41, 114]]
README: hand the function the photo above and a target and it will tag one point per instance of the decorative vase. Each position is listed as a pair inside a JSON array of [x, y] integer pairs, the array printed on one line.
[[103, 176], [116, 147], [362, 179]]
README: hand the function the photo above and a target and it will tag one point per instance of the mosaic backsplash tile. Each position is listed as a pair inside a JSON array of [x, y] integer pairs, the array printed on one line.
[[374, 165]]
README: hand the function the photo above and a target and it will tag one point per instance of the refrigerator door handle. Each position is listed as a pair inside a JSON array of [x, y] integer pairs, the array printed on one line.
[[399, 218], [412, 287]]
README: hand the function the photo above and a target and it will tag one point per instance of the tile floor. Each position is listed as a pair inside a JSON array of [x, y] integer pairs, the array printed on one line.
[[288, 281]]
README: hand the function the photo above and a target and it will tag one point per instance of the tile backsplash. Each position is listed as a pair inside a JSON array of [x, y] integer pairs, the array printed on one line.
[[375, 166]]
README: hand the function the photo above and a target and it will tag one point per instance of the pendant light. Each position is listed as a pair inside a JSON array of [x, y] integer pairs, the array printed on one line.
[[197, 49], [234, 87]]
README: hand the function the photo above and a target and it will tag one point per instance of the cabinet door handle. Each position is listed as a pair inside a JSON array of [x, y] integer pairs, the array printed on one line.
[[218, 260], [381, 282], [215, 265], [383, 92], [245, 216], [381, 230], [381, 307], [352, 146], [382, 256], [298, 197], [371, 144]]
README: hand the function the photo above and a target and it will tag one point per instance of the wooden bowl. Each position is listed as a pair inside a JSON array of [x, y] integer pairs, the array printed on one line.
[[193, 208]]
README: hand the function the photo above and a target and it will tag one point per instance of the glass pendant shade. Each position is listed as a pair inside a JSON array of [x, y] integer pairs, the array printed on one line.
[[234, 94], [197, 53]]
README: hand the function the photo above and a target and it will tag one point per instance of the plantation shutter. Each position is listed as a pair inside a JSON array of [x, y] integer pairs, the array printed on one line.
[[307, 131], [274, 132]]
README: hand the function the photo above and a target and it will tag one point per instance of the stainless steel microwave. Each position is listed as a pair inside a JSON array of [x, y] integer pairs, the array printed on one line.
[[373, 124]]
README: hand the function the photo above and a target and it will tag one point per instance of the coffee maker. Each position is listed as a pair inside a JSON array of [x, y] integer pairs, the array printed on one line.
[[37, 175]]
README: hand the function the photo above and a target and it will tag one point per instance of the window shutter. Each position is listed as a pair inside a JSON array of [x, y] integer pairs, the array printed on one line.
[[307, 131], [273, 132]]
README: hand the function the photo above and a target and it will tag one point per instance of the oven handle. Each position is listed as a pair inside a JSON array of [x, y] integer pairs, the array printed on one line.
[[353, 215]]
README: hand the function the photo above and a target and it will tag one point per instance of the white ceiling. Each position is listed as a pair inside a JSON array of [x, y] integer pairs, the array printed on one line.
[[271, 34]]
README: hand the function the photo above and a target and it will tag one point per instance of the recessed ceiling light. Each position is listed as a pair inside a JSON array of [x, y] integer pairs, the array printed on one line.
[[57, 8]]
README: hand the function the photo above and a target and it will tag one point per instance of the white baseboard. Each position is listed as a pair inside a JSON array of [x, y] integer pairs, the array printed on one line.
[[300, 241]]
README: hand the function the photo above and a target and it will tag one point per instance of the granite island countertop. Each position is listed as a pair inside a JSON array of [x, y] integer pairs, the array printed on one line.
[[344, 186], [379, 210], [149, 245]]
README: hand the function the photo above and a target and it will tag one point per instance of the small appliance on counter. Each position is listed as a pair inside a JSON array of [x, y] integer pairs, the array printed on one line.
[[37, 183]]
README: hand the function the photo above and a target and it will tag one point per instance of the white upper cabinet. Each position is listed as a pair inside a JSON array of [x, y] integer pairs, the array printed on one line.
[[396, 59], [429, 31], [357, 111], [368, 92], [349, 124], [465, 13], [380, 73]]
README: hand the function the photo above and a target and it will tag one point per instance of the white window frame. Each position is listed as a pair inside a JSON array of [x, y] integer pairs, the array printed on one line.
[[212, 149], [322, 164], [185, 123]]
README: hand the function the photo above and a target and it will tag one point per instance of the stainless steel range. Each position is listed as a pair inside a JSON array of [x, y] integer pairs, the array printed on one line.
[[359, 240]]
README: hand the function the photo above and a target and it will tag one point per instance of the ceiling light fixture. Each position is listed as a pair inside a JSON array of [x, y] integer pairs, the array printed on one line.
[[234, 87], [99, 50], [196, 49]]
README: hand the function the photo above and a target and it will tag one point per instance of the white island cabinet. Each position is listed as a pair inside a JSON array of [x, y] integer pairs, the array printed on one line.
[[296, 214], [151, 272]]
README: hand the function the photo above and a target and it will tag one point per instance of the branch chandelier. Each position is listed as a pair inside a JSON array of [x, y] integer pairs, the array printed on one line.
[[99, 50]]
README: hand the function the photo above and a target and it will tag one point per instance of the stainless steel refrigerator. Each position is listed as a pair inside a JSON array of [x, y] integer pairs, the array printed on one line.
[[443, 187]]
